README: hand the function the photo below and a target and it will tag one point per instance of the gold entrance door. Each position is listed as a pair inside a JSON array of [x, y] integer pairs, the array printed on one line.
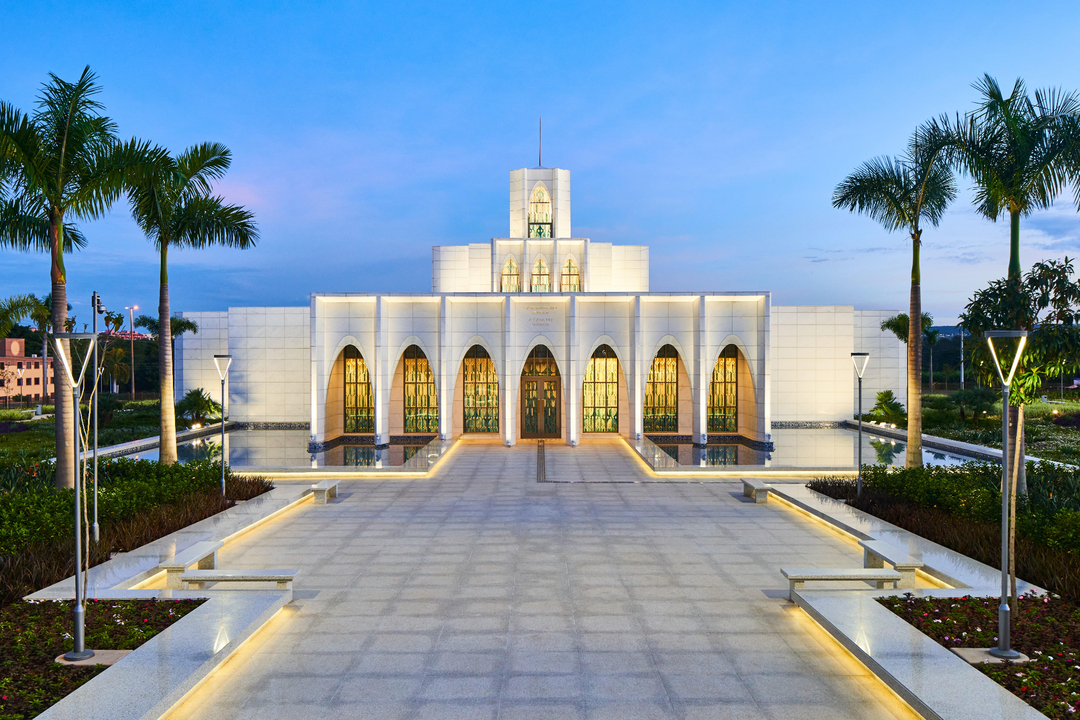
[[540, 407]]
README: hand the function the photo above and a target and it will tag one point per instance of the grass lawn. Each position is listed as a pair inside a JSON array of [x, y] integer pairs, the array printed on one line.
[[1046, 629], [33, 633]]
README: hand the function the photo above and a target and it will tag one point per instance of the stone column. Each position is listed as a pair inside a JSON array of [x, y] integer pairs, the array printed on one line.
[[506, 382], [700, 378], [640, 362], [571, 394], [383, 375], [444, 389]]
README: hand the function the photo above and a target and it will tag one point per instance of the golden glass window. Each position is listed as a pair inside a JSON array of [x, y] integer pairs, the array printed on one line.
[[540, 363], [540, 213], [600, 404], [541, 278], [511, 279], [481, 392], [421, 401], [359, 401], [724, 393], [662, 392], [571, 278]]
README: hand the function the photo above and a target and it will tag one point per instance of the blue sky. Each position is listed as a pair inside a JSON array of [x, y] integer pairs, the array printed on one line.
[[365, 133]]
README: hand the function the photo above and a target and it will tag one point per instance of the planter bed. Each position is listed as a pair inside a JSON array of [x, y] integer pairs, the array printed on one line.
[[34, 633], [1046, 629]]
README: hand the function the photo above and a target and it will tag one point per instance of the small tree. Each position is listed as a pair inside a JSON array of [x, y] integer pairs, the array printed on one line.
[[899, 325], [931, 336], [1046, 303]]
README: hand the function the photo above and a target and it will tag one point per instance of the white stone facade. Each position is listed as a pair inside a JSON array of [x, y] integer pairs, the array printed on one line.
[[793, 363]]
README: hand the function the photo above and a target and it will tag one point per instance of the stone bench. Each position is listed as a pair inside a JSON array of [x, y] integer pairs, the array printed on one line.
[[197, 579], [755, 489], [202, 553], [877, 552], [797, 579], [323, 491]]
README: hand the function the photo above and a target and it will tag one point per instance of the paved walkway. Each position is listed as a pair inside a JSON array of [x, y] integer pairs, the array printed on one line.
[[480, 594]]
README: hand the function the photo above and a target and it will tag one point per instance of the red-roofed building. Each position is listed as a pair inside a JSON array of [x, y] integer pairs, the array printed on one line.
[[21, 374]]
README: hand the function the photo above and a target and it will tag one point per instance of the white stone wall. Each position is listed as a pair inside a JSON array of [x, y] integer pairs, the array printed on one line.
[[887, 366], [630, 268], [195, 354], [811, 369], [270, 375]]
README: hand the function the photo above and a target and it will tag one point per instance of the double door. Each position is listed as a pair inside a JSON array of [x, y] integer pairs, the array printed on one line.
[[540, 407]]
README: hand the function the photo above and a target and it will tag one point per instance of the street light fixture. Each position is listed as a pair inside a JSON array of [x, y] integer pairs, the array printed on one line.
[[131, 329], [96, 308], [1004, 614], [859, 360], [79, 652], [223, 372]]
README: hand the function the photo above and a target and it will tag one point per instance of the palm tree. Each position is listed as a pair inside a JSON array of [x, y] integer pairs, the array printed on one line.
[[1021, 153], [931, 336], [63, 162], [898, 325], [902, 193], [174, 207]]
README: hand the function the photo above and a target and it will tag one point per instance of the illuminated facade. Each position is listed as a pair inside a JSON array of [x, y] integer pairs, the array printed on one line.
[[541, 334]]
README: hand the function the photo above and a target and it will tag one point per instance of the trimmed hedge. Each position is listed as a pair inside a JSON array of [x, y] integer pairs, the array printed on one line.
[[138, 502]]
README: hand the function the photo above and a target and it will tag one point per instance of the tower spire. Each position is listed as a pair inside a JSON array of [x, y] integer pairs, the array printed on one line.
[[540, 152]]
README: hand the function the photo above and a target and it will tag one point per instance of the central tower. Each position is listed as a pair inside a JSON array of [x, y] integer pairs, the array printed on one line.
[[540, 203]]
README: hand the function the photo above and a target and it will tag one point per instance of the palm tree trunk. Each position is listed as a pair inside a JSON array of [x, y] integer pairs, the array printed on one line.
[[64, 413], [167, 447], [914, 361], [1014, 245]]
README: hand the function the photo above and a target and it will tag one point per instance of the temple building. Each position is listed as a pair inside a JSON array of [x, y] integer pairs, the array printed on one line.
[[540, 334]]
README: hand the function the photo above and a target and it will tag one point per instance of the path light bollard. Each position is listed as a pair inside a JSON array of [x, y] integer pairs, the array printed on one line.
[[859, 360], [1004, 613], [79, 652], [219, 361]]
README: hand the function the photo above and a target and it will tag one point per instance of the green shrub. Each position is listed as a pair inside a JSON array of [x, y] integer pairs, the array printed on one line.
[[889, 408]]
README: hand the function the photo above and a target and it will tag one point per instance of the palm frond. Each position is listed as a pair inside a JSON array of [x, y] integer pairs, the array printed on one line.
[[204, 221], [881, 189], [200, 164]]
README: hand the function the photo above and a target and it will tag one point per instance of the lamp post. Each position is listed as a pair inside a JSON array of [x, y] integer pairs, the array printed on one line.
[[223, 372], [131, 329], [97, 308], [859, 360], [79, 652], [1004, 613]]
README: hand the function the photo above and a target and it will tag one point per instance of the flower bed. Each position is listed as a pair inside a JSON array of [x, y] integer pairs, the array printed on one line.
[[34, 633], [1046, 629]]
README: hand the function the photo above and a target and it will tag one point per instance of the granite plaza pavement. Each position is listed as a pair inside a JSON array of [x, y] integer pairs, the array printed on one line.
[[479, 593]]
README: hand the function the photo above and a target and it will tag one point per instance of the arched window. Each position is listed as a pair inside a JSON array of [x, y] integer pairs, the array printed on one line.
[[662, 392], [600, 405], [511, 279], [724, 393], [421, 402], [359, 403], [571, 279], [541, 278], [540, 394], [540, 213], [481, 392]]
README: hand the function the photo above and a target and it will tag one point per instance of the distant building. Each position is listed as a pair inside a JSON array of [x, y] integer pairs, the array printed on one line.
[[21, 374]]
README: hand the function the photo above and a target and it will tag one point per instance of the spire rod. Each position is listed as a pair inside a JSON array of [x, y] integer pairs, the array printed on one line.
[[540, 152]]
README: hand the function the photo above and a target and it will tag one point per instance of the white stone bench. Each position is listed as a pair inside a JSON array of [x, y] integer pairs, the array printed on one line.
[[197, 579], [797, 579], [876, 553], [755, 489], [202, 553], [324, 491]]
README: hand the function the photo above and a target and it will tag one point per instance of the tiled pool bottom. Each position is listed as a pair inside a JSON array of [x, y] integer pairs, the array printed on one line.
[[796, 449], [281, 449]]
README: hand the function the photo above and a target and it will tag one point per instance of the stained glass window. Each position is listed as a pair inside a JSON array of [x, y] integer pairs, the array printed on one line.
[[662, 392], [481, 392], [541, 363], [421, 402], [571, 279], [541, 278], [359, 402], [540, 213], [724, 393], [600, 405], [511, 279]]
